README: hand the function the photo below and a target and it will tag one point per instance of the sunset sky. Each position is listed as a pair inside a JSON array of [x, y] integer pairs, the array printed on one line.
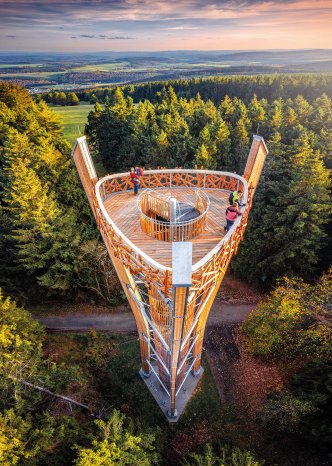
[[101, 25]]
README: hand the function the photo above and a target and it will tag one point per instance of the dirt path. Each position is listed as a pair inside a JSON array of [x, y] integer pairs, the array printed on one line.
[[123, 321]]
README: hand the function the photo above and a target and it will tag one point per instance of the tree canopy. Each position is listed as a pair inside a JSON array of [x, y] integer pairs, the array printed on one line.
[[288, 226], [45, 218]]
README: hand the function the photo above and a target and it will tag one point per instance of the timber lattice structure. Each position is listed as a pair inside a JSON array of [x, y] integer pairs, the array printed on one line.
[[170, 270]]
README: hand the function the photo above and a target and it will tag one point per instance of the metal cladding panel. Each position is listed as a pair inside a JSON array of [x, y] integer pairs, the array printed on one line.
[[182, 264]]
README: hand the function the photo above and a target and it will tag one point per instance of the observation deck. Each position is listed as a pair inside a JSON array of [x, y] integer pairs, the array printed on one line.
[[122, 209]]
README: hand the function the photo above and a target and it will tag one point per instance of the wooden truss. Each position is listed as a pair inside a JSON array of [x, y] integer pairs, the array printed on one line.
[[171, 316]]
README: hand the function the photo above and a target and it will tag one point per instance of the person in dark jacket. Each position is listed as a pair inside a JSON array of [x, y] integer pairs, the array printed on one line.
[[139, 171], [232, 212]]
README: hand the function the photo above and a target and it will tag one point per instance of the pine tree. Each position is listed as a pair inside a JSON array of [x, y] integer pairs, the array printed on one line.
[[303, 110], [203, 158], [61, 98], [32, 212], [117, 151], [72, 99], [227, 109], [240, 146], [21, 440], [220, 134], [118, 445], [256, 114], [309, 209], [291, 209], [276, 115], [43, 211], [21, 354]]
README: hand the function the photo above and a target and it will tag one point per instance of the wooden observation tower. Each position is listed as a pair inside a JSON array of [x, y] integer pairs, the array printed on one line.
[[170, 251]]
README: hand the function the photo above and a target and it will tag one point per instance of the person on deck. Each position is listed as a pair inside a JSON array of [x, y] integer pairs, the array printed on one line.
[[134, 179], [232, 213], [139, 171], [236, 196]]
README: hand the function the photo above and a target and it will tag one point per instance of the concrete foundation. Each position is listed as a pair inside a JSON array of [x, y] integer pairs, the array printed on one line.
[[163, 399]]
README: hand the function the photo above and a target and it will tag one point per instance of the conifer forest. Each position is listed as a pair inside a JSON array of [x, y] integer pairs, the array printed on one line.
[[75, 398]]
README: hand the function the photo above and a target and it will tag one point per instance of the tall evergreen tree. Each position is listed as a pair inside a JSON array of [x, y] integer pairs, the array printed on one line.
[[291, 208], [256, 114], [44, 216], [221, 136], [240, 146]]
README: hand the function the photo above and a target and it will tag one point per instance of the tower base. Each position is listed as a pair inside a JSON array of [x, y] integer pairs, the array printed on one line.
[[162, 398]]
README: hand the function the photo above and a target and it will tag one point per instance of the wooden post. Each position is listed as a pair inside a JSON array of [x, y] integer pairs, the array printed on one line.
[[255, 162], [85, 168]]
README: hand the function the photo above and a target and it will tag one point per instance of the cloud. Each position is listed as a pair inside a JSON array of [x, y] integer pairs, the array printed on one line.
[[104, 36], [120, 38], [11, 37], [86, 11], [182, 28], [153, 22]]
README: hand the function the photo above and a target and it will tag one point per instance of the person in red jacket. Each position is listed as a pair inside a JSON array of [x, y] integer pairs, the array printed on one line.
[[232, 213], [134, 179]]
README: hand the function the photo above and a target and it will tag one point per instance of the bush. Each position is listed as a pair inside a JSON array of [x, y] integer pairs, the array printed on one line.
[[226, 456], [291, 323], [284, 412], [117, 444]]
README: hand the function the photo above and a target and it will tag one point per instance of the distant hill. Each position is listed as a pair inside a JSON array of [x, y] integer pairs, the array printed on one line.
[[66, 71]]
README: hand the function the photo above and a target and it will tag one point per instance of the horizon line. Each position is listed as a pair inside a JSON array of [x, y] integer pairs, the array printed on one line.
[[169, 50]]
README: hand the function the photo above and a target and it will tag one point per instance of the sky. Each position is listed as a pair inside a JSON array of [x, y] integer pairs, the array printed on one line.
[[148, 25]]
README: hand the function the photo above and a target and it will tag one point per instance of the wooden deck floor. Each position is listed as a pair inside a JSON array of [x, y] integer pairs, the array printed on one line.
[[123, 210]]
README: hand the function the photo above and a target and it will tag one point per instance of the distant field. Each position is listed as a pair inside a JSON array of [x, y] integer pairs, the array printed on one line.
[[103, 67], [32, 65], [74, 120]]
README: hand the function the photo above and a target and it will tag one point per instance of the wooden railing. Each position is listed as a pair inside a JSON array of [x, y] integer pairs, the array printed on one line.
[[205, 179], [152, 205], [202, 202]]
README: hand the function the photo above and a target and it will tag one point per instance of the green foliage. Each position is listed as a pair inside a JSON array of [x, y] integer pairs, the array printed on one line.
[[97, 272], [118, 445], [306, 406], [22, 441], [269, 87], [28, 434], [173, 132], [22, 361], [292, 329], [225, 456], [74, 119], [292, 206], [44, 214], [313, 385], [68, 431], [291, 210], [284, 412], [20, 352], [291, 323], [72, 99]]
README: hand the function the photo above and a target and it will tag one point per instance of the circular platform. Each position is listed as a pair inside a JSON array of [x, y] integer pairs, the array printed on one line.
[[166, 216]]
